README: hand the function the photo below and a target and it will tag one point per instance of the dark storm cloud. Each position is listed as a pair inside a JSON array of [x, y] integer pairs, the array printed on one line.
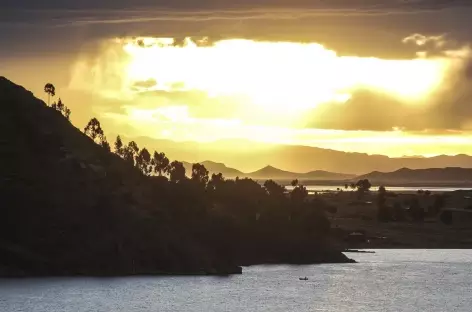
[[449, 110], [354, 5], [87, 12], [354, 27]]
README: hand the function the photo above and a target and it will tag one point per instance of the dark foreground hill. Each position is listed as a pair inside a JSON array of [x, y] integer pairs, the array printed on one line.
[[68, 206]]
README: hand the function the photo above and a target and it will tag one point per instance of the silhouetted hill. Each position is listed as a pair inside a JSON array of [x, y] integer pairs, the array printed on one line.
[[431, 175], [70, 207], [273, 173], [325, 175], [215, 168], [270, 172], [249, 156]]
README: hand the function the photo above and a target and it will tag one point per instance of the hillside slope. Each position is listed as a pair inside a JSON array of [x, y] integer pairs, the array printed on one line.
[[70, 207]]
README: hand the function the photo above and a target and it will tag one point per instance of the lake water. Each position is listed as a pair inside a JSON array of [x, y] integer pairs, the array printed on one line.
[[389, 280], [440, 189]]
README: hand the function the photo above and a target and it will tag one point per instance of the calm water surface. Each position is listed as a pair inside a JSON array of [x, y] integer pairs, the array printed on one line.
[[389, 280], [440, 189]]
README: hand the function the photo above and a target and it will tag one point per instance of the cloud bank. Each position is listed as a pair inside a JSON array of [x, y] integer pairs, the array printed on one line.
[[448, 107], [180, 5], [87, 12]]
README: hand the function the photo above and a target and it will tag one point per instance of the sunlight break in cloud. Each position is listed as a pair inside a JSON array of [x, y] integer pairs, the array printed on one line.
[[273, 75], [200, 90]]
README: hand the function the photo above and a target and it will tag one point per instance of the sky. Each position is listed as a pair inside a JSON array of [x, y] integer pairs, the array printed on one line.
[[376, 76]]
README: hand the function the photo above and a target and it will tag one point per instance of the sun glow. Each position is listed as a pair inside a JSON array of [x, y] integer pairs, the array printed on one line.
[[275, 75]]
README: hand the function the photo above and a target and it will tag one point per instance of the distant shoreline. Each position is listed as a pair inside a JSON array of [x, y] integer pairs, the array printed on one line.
[[341, 183]]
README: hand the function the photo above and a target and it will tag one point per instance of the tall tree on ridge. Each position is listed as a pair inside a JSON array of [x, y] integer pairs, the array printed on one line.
[[50, 90], [160, 163]]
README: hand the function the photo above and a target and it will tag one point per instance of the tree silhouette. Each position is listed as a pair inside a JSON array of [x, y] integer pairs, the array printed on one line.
[[50, 90], [129, 152], [299, 194], [294, 183], [274, 189], [93, 129], [134, 147], [60, 105], [200, 174], [119, 146], [216, 181], [67, 113], [143, 161], [363, 186], [104, 143], [128, 155], [177, 172], [160, 163]]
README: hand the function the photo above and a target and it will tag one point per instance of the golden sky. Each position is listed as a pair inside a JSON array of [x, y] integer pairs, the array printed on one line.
[[361, 81], [280, 92]]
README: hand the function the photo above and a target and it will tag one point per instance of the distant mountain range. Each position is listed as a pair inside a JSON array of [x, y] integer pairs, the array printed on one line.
[[248, 156], [268, 172], [277, 174], [216, 168], [453, 175], [429, 176]]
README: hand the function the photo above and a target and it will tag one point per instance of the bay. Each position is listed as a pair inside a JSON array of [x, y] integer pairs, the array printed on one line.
[[388, 280]]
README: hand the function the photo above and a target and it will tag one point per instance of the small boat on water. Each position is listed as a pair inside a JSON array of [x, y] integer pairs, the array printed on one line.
[[303, 278]]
